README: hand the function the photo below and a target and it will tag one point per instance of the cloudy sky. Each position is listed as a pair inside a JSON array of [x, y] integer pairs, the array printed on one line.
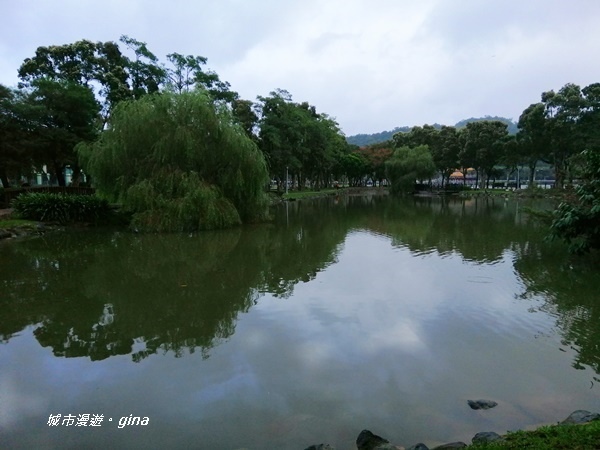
[[372, 64]]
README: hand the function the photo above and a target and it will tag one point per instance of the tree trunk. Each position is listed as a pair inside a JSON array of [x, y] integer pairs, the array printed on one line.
[[76, 177], [60, 176], [532, 173], [4, 178]]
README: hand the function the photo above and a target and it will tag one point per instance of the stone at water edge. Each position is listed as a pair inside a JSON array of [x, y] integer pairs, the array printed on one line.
[[419, 446], [450, 446], [482, 404], [486, 436], [369, 441], [388, 447], [580, 416], [320, 447]]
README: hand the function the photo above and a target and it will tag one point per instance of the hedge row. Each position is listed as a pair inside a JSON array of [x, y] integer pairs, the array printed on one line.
[[62, 208]]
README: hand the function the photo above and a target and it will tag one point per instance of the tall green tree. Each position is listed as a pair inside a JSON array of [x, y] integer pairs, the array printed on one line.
[[66, 114], [485, 141], [280, 135], [145, 74], [323, 146], [297, 140], [445, 154], [577, 220], [443, 143], [16, 157], [563, 110], [377, 155], [245, 116], [186, 72], [590, 116], [533, 138], [178, 163], [355, 166], [100, 67], [407, 165]]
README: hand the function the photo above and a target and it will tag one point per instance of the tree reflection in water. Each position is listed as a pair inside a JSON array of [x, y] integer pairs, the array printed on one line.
[[103, 293]]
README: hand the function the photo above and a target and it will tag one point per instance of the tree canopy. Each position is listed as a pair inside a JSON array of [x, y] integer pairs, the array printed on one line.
[[407, 165], [299, 141], [178, 162]]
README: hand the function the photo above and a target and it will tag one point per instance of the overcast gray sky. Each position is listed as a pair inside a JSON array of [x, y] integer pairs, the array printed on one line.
[[372, 64]]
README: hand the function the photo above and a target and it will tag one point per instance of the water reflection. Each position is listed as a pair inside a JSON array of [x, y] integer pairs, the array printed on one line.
[[569, 289], [99, 294], [344, 313]]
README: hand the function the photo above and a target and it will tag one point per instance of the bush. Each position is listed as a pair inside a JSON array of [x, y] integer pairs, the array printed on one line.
[[61, 208], [577, 221]]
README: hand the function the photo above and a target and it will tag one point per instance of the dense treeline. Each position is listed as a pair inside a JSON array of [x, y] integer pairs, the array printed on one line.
[[377, 138], [68, 94], [169, 140], [555, 131], [562, 130], [186, 129]]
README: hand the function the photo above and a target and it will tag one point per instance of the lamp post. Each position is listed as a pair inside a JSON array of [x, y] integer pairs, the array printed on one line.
[[286, 179]]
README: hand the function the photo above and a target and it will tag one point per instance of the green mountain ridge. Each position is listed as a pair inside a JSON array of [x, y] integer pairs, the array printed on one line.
[[375, 138]]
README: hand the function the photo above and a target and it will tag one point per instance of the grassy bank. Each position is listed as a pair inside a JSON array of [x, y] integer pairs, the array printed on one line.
[[529, 193], [13, 223], [297, 195], [572, 437]]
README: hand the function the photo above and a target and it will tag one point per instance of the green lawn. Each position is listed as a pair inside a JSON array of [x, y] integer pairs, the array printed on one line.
[[12, 223], [296, 195]]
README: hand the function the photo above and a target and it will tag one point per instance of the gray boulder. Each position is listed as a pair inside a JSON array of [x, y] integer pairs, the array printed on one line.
[[387, 447], [482, 404], [580, 416], [451, 445], [419, 446], [320, 447], [369, 441], [486, 436]]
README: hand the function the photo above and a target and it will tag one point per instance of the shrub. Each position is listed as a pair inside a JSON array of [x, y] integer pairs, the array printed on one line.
[[61, 208], [577, 221]]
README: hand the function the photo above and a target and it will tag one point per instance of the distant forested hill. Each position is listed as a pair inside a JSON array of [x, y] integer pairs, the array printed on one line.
[[512, 126], [369, 139]]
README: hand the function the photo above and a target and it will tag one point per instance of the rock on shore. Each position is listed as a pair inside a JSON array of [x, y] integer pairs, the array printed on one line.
[[366, 440]]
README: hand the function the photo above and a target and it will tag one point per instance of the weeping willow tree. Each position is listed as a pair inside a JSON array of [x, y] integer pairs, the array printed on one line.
[[178, 163]]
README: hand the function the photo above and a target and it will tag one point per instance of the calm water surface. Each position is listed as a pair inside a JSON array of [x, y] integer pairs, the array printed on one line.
[[342, 314]]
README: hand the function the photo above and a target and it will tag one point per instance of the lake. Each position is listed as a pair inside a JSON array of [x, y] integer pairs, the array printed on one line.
[[341, 314]]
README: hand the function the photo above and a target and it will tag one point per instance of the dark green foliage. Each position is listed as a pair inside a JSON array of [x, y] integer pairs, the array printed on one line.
[[407, 165], [578, 221], [484, 145], [67, 113], [297, 141], [61, 208], [355, 166], [444, 143], [178, 163], [512, 127]]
